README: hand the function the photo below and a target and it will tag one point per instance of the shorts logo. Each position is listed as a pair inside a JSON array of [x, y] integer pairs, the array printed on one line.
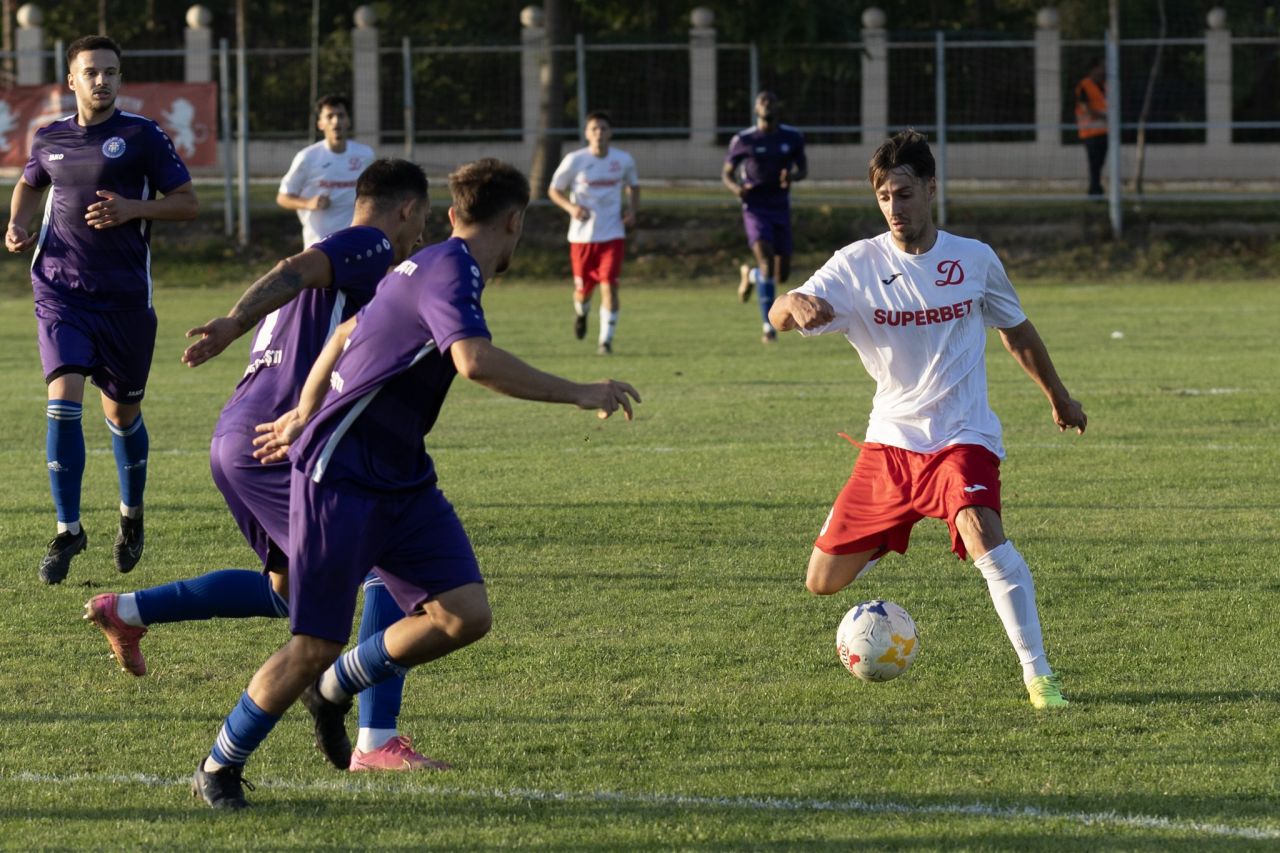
[[951, 272], [113, 148], [55, 157], [977, 488], [137, 393]]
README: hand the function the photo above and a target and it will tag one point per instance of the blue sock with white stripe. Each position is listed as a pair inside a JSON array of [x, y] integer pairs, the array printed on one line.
[[380, 704], [364, 666], [229, 593], [64, 454], [243, 730], [765, 293], [131, 444]]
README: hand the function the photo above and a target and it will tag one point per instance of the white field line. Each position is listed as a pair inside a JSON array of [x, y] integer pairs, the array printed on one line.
[[762, 804]]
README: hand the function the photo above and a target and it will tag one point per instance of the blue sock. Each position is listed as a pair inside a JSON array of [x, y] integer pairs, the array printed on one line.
[[380, 704], [230, 593], [245, 727], [64, 453], [765, 294], [366, 665], [131, 444]]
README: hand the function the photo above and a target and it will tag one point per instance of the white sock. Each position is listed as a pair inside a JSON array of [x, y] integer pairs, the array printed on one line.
[[127, 610], [370, 739], [330, 688], [211, 765], [581, 308], [130, 511], [1014, 595], [72, 527], [608, 322]]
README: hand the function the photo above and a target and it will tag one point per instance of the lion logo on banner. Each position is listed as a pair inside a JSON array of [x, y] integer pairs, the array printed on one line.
[[179, 120]]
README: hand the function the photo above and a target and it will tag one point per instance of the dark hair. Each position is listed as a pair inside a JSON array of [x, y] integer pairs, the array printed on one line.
[[601, 115], [906, 148], [334, 100], [386, 182], [485, 189], [87, 43]]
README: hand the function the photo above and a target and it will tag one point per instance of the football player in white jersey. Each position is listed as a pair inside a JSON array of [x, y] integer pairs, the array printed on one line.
[[589, 185], [915, 303]]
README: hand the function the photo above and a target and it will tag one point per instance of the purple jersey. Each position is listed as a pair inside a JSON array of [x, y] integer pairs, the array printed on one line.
[[391, 379], [108, 269], [290, 338], [760, 158]]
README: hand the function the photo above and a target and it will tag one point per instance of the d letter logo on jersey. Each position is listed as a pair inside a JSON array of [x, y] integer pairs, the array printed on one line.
[[951, 272]]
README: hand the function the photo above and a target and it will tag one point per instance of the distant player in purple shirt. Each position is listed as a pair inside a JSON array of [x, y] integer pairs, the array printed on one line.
[[364, 491], [763, 162], [92, 282], [296, 307]]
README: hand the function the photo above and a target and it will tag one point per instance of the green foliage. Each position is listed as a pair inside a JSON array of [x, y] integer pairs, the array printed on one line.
[[657, 676]]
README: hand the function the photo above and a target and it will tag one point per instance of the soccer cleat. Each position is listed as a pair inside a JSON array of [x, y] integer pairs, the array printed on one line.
[[129, 541], [580, 326], [101, 611], [744, 283], [605, 348], [769, 337], [1046, 692], [330, 726], [395, 754], [221, 789], [57, 560]]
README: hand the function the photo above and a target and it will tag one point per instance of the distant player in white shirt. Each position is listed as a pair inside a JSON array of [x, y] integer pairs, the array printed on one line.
[[589, 185], [915, 303], [321, 182]]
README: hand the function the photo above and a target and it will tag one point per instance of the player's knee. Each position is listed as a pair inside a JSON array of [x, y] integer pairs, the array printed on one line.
[[312, 654]]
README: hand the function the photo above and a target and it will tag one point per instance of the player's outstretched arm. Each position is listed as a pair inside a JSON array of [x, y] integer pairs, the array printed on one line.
[[289, 201], [22, 208], [286, 280], [800, 311], [562, 201], [1027, 348], [480, 361]]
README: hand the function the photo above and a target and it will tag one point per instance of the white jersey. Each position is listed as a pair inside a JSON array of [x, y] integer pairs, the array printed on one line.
[[318, 171], [918, 322], [596, 183]]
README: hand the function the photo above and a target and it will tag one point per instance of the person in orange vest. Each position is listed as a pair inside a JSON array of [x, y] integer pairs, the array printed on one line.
[[1091, 121]]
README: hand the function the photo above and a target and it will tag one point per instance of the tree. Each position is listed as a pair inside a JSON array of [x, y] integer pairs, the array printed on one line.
[[546, 152]]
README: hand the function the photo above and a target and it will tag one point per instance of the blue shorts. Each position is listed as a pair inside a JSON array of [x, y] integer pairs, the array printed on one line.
[[772, 225], [256, 494], [112, 348], [412, 540]]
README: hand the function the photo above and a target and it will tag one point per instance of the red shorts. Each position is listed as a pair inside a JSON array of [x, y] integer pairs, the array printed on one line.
[[596, 263], [891, 489]]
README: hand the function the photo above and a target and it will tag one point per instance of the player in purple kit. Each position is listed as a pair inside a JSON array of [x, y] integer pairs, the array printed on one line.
[[296, 306], [360, 466], [92, 283], [762, 164]]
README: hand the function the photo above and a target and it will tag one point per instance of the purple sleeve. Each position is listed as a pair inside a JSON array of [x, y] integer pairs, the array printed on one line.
[[34, 173], [451, 310], [737, 151], [359, 257], [164, 166]]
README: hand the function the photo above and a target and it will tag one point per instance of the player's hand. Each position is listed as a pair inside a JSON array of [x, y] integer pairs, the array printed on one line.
[[320, 202], [215, 336], [274, 438], [742, 191], [629, 218], [1070, 414], [810, 312], [16, 238], [607, 397], [580, 213], [113, 210], [784, 179]]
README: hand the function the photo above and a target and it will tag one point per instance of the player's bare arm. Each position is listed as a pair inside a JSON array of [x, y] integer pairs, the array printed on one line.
[[800, 311], [480, 361], [274, 438], [289, 201], [727, 177], [632, 211], [1027, 348], [286, 280], [562, 201], [22, 209], [114, 209]]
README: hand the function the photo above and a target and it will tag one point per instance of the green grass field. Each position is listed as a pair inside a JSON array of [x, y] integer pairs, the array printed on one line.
[[657, 676]]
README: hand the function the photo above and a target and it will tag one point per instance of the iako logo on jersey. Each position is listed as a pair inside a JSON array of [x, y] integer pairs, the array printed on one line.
[[951, 272]]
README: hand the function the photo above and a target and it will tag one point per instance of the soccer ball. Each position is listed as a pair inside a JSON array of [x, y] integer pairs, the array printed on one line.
[[877, 641]]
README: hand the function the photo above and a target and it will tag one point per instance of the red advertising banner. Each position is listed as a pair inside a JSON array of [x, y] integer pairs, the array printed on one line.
[[188, 112]]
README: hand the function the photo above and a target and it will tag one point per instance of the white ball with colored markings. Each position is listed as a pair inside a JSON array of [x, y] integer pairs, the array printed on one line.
[[877, 641]]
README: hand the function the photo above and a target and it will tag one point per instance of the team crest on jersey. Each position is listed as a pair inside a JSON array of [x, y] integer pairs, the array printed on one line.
[[113, 148], [786, 149], [952, 273], [354, 163]]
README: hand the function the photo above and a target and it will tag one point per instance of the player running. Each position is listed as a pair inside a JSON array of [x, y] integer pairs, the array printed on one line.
[[92, 280], [915, 303], [299, 303], [364, 490]]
